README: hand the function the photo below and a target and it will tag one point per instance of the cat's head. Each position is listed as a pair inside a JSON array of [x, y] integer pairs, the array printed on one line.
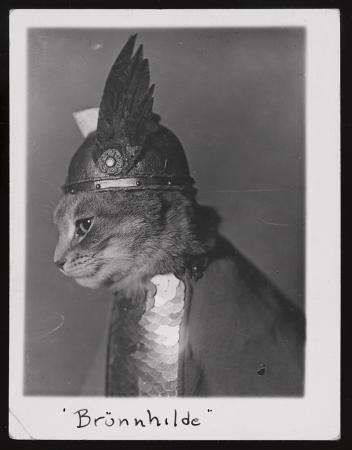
[[105, 237]]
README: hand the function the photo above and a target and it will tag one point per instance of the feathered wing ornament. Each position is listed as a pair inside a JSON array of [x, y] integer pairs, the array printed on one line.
[[125, 114]]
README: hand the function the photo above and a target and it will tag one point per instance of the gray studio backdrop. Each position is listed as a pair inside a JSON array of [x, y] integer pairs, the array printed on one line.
[[235, 99]]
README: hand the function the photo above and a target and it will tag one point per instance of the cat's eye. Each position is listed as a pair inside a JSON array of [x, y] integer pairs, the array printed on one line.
[[83, 225]]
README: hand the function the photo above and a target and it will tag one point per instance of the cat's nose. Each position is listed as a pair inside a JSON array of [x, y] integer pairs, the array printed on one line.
[[60, 263]]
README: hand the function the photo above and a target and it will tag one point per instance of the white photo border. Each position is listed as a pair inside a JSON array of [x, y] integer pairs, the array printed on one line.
[[314, 416]]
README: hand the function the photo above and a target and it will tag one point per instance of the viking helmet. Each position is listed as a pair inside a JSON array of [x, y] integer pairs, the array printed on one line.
[[130, 149]]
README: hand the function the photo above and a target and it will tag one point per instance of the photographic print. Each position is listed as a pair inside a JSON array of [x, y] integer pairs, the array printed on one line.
[[166, 221]]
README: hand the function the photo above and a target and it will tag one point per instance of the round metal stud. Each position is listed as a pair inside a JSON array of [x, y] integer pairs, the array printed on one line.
[[169, 182], [98, 186], [110, 162], [72, 191], [138, 183]]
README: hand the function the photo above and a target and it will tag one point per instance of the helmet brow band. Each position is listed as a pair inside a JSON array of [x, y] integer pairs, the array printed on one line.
[[129, 183]]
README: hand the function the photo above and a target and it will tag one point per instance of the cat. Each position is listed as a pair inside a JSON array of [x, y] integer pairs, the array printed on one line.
[[244, 336]]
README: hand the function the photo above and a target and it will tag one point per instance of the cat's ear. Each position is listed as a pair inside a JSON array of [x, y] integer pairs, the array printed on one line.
[[87, 120]]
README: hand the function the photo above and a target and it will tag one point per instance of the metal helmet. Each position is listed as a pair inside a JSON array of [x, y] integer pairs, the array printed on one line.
[[130, 149]]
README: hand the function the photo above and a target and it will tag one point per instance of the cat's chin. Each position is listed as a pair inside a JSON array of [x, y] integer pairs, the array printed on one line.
[[89, 282], [101, 278]]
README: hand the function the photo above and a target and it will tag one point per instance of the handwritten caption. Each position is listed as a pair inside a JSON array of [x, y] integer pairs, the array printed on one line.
[[83, 419]]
